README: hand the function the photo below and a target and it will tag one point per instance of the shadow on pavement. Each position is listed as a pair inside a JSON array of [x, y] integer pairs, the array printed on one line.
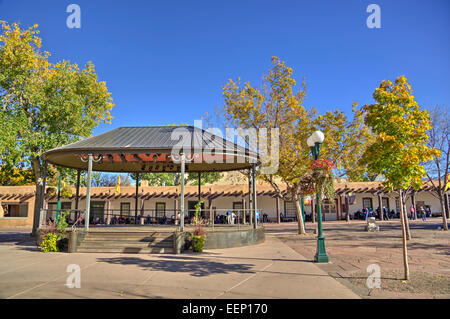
[[198, 267]]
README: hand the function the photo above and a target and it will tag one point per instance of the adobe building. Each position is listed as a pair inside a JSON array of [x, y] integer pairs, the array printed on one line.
[[162, 202]]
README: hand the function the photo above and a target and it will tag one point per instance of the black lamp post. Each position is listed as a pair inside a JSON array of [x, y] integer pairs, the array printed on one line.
[[315, 142]]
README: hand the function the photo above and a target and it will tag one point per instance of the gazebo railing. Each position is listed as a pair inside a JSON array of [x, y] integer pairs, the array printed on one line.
[[115, 217]]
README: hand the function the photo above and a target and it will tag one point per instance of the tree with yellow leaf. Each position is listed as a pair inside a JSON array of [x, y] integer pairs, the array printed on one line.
[[400, 147], [276, 105], [43, 105]]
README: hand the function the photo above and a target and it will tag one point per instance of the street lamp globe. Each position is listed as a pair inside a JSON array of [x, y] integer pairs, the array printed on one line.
[[310, 142], [317, 137]]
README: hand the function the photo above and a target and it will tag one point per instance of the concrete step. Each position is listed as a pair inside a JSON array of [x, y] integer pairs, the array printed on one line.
[[129, 234], [127, 250], [126, 239], [126, 243]]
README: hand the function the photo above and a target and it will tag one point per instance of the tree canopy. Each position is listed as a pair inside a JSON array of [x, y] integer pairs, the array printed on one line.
[[43, 104], [276, 104]]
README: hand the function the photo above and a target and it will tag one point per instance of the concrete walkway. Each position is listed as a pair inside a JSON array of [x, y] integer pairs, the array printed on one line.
[[268, 270]]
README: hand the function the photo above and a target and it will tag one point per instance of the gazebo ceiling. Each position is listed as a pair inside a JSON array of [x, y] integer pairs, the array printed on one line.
[[149, 149]]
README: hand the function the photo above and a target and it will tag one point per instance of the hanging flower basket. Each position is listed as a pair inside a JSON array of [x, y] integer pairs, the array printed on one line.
[[323, 177]]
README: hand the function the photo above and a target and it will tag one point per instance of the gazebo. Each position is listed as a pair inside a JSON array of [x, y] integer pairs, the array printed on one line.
[[155, 149]]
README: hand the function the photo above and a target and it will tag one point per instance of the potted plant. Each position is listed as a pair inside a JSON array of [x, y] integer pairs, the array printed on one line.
[[52, 237], [198, 236]]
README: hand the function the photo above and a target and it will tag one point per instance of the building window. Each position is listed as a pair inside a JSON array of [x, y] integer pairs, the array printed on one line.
[[397, 204], [367, 203], [328, 207], [66, 206], [125, 209], [14, 210], [160, 209]]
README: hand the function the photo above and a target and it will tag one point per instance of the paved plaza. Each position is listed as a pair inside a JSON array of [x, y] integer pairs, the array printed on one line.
[[352, 249], [268, 270], [281, 267]]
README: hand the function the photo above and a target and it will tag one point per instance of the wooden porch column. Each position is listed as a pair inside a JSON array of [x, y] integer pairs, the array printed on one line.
[[447, 205], [211, 216], [277, 202], [347, 208], [380, 204], [250, 204], [108, 213], [338, 208], [175, 205], [313, 209], [243, 206]]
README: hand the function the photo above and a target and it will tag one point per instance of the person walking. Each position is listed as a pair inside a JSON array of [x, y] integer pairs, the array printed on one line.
[[411, 209], [385, 213], [424, 214], [229, 217], [366, 213]]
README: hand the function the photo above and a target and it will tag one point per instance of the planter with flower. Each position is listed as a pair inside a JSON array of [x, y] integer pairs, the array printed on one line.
[[53, 237], [198, 236]]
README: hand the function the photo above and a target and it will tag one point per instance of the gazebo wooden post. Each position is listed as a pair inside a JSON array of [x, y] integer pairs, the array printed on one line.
[[200, 190], [199, 186], [211, 216], [255, 206], [183, 159], [136, 199], [88, 194], [77, 193]]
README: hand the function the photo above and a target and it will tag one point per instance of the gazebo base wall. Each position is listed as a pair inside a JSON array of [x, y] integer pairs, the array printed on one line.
[[158, 240], [234, 238]]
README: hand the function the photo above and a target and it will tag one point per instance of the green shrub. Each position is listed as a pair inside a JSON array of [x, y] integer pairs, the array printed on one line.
[[62, 221], [197, 239], [198, 242], [49, 243]]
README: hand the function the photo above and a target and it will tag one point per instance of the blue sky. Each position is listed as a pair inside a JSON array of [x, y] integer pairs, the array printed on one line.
[[166, 61]]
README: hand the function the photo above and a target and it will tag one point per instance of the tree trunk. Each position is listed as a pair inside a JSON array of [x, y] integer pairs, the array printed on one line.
[[405, 220], [298, 212], [405, 251], [444, 213], [39, 197], [277, 199]]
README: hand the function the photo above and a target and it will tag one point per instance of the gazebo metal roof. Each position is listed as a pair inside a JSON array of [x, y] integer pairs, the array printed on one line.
[[148, 149]]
